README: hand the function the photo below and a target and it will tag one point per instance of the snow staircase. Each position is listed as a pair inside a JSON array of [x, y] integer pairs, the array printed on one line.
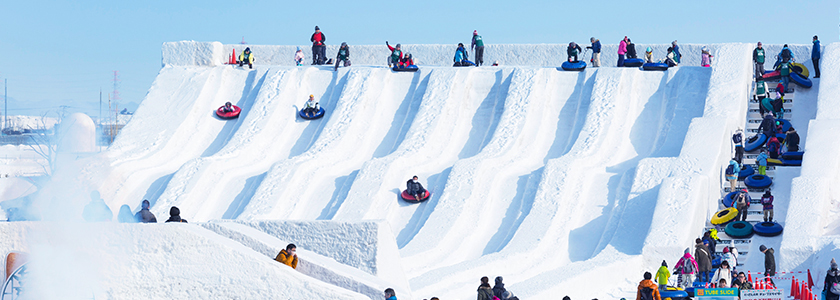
[[755, 212]]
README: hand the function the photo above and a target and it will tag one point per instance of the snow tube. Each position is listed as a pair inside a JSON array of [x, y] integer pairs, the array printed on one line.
[[690, 292], [792, 155], [784, 162], [465, 63], [573, 66], [655, 67], [739, 229], [634, 62], [674, 293], [758, 181], [729, 199], [801, 81], [747, 171], [724, 216], [230, 114], [317, 115], [800, 69], [754, 142], [409, 198], [768, 229], [785, 124], [411, 68], [772, 75]]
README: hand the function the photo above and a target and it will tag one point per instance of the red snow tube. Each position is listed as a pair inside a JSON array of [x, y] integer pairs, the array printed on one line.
[[410, 198], [230, 114]]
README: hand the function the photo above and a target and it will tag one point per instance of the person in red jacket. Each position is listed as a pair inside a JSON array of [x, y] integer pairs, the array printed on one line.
[[319, 50]]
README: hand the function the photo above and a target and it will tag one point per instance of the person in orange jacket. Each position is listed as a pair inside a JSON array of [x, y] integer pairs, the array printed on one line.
[[648, 290], [288, 256]]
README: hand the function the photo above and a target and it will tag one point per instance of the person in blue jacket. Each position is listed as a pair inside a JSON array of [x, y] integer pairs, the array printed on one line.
[[815, 57], [677, 54], [596, 51], [461, 57]]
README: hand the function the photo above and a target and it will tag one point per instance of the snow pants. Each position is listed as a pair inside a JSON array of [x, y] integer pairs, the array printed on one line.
[[768, 215], [479, 56], [621, 60], [759, 69], [685, 280], [596, 59], [346, 62], [762, 170], [816, 67], [739, 153]]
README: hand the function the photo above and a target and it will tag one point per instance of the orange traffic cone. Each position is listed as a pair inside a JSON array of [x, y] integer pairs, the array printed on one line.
[[792, 286], [749, 276], [232, 60]]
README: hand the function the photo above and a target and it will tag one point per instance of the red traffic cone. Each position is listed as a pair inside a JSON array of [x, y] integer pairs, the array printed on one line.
[[810, 281], [749, 276], [232, 60], [792, 286]]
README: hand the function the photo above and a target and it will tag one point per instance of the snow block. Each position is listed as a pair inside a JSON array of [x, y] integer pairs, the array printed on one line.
[[192, 53]]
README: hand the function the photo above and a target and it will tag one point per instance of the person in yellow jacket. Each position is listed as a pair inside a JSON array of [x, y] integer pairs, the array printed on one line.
[[647, 289], [662, 275], [288, 256], [246, 57]]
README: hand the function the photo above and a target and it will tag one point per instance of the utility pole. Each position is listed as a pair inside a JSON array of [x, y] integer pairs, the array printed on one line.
[[99, 121], [5, 101]]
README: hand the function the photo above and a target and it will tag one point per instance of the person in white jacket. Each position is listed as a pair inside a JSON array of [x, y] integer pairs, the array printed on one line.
[[723, 272], [311, 107]]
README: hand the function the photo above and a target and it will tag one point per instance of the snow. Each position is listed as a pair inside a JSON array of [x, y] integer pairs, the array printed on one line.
[[76, 133], [557, 181]]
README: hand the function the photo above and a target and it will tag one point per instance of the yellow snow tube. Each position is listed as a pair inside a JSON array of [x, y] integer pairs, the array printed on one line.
[[724, 216], [800, 68]]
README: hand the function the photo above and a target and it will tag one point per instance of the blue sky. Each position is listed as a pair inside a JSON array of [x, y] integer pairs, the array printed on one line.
[[67, 50]]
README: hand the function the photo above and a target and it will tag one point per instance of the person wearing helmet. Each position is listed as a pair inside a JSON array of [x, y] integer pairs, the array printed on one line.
[[407, 60], [648, 55], [396, 55], [596, 51], [246, 57], [478, 45], [228, 107], [343, 54], [319, 50], [572, 51], [310, 108], [299, 57]]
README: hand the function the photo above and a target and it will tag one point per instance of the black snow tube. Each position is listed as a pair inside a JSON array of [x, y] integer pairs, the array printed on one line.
[[758, 181], [634, 62], [739, 229], [655, 67], [768, 229], [792, 155], [754, 142], [411, 68]]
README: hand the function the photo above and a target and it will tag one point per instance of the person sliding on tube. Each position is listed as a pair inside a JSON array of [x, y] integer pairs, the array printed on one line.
[[246, 57], [228, 107], [415, 188], [406, 61], [311, 107], [396, 55], [572, 51]]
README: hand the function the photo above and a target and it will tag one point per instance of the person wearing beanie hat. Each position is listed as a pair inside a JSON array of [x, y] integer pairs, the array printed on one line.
[[758, 59], [704, 261], [144, 215], [343, 55], [477, 45], [647, 289], [499, 288], [319, 49], [685, 268], [662, 275], [246, 57], [769, 260], [596, 51], [832, 282], [299, 57], [396, 55], [175, 215]]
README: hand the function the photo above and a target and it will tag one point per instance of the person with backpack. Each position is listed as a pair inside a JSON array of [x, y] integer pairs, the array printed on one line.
[[631, 49], [815, 57], [396, 55], [485, 292], [768, 126], [708, 239], [622, 49], [742, 203], [478, 45], [831, 288], [647, 289], [778, 104], [730, 255], [774, 147], [724, 272], [662, 275], [572, 51], [784, 72], [761, 159], [758, 59], [677, 55], [596, 51], [343, 55], [731, 173], [762, 95], [685, 267], [319, 50], [738, 140], [792, 140], [704, 261], [499, 288], [767, 206]]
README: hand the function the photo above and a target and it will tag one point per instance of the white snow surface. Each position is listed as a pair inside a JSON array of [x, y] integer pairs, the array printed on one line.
[[564, 183]]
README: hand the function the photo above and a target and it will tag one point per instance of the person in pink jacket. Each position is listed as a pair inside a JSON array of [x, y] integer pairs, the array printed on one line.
[[622, 49], [686, 267]]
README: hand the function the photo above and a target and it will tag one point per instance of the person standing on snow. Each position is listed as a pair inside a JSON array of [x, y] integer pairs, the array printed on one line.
[[662, 275], [832, 277], [769, 260], [288, 256], [478, 46], [246, 57], [299, 57], [647, 289], [792, 140], [343, 55], [758, 59], [704, 261], [677, 55], [572, 51], [685, 267], [485, 292], [768, 126], [767, 206], [815, 57], [622, 49], [648, 55], [319, 50], [761, 160], [596, 51], [706, 58], [731, 173], [738, 140], [396, 55], [144, 215]]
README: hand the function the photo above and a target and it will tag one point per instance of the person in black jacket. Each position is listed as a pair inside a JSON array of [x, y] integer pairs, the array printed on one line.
[[631, 49], [768, 126], [831, 277], [769, 260], [572, 51], [175, 215], [499, 288], [415, 188], [144, 215], [792, 140], [319, 50]]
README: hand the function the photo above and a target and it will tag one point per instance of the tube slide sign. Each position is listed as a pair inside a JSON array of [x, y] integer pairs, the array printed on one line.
[[717, 294], [763, 294]]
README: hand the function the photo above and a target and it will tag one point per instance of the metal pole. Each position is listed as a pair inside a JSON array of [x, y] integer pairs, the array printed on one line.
[[99, 126], [5, 101]]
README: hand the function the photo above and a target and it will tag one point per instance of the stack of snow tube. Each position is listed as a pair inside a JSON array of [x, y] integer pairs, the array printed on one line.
[[800, 81], [724, 216], [746, 171], [768, 229], [787, 159], [739, 229], [317, 115], [674, 293], [754, 142], [411, 68], [409, 198], [573, 66], [634, 62], [229, 114], [655, 67], [757, 181]]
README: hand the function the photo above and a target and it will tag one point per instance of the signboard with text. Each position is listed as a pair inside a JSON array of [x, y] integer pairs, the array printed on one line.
[[713, 294], [762, 294]]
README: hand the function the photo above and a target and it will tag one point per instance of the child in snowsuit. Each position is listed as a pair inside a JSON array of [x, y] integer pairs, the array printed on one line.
[[761, 159], [343, 55], [767, 205], [461, 56], [778, 104], [311, 108], [572, 51], [706, 60], [299, 57], [407, 60], [648, 55], [396, 55], [246, 57], [662, 275]]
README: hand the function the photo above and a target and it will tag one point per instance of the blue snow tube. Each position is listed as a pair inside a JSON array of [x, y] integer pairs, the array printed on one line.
[[739, 229], [754, 142], [799, 80], [411, 68], [758, 181], [317, 115], [729, 199], [674, 293], [785, 124], [573, 66], [634, 62], [655, 67], [792, 155], [746, 171], [768, 229]]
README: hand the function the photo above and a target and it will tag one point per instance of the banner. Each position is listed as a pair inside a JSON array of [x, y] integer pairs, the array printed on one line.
[[762, 294]]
